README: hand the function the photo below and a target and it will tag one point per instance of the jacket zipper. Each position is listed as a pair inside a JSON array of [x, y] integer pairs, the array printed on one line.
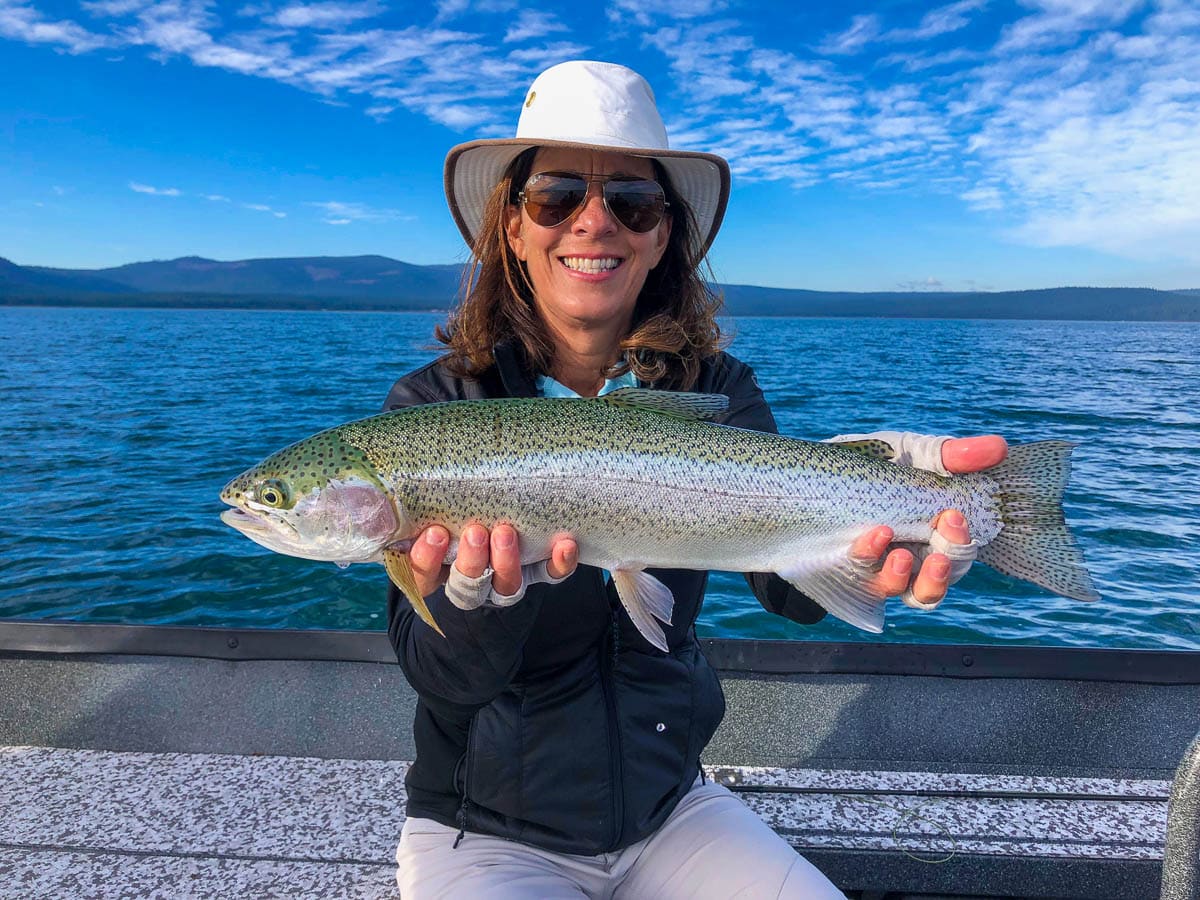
[[461, 817], [606, 686]]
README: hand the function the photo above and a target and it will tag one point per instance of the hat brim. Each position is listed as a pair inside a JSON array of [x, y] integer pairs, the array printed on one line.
[[475, 168]]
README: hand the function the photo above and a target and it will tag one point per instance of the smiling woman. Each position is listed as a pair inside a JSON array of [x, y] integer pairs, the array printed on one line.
[[589, 236]]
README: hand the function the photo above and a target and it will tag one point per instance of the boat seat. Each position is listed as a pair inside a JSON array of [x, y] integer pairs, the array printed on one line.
[[100, 823]]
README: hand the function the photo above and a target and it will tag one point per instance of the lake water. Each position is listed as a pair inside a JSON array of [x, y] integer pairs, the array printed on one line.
[[120, 427]]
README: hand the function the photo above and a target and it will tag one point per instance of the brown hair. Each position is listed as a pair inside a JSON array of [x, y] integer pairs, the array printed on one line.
[[674, 323]]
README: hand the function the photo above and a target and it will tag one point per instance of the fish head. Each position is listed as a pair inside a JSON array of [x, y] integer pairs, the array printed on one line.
[[318, 499]]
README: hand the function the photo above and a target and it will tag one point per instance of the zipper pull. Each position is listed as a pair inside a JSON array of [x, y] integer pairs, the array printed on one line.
[[462, 821]]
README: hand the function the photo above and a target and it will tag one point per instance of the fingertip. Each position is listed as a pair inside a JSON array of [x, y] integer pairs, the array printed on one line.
[[952, 525], [570, 555], [475, 535], [873, 544], [504, 537], [936, 567], [973, 454], [900, 562]]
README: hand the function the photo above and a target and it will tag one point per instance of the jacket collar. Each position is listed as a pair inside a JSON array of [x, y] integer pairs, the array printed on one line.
[[513, 369]]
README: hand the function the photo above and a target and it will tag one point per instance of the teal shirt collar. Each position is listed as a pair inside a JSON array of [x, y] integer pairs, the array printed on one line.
[[548, 387]]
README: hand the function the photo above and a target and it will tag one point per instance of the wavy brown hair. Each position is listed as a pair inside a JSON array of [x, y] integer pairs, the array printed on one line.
[[674, 323]]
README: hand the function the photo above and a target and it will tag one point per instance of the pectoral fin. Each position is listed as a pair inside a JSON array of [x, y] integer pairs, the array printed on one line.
[[838, 584], [645, 598], [399, 569]]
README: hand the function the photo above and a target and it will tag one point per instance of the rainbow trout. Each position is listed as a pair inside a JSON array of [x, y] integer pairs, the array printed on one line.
[[640, 481]]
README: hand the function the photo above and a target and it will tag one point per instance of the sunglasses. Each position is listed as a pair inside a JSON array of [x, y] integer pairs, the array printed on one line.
[[551, 198]]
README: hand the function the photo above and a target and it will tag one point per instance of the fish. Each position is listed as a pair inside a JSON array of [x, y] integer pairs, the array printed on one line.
[[642, 479]]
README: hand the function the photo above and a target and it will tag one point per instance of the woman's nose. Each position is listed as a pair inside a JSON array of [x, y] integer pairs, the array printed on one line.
[[593, 217]]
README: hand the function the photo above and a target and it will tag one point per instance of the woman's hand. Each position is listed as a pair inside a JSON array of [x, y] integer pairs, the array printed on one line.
[[477, 552], [927, 586]]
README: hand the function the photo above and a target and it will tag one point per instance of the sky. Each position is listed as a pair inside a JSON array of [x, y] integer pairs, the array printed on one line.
[[887, 145]]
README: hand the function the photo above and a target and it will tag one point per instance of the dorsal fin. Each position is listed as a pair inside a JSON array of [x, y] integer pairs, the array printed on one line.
[[870, 447], [680, 404]]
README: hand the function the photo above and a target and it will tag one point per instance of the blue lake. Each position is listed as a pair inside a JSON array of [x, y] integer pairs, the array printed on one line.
[[120, 427]]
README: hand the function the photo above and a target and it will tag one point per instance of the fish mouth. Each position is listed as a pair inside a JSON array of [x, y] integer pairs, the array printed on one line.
[[254, 524]]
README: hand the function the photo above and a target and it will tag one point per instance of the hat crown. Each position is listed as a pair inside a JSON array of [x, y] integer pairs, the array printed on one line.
[[588, 102]]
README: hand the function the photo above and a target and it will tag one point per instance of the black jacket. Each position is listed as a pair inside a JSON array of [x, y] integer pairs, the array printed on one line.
[[554, 721]]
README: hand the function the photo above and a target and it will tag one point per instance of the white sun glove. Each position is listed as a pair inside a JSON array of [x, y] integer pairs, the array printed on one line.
[[922, 451], [472, 593]]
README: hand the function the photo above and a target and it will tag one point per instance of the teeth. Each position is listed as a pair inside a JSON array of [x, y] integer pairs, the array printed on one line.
[[579, 264]]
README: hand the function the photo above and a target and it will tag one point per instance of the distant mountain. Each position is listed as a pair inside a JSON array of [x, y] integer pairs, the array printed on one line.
[[380, 283], [30, 281], [1112, 304], [376, 281]]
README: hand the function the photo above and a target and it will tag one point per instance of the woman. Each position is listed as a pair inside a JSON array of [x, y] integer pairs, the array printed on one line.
[[558, 751]]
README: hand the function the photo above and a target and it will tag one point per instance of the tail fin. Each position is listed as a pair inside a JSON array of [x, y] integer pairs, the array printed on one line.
[[1034, 543]]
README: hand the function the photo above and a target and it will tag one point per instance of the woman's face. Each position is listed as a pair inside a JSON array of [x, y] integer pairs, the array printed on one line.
[[571, 289]]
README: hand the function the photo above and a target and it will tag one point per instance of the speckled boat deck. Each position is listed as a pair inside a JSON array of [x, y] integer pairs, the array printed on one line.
[[88, 823]]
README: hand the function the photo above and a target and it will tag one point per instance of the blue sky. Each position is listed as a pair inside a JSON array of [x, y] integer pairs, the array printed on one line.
[[890, 145]]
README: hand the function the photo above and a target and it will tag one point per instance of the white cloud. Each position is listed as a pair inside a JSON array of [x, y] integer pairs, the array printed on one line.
[[639, 12], [923, 284], [322, 15], [863, 29], [23, 23], [337, 212], [114, 7], [148, 189], [216, 198], [532, 24], [1061, 22], [943, 20]]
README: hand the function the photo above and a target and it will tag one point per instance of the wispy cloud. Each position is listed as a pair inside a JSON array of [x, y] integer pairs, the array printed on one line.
[[644, 14], [21, 22], [262, 207], [936, 22], [337, 212], [532, 24], [149, 189], [1062, 22], [863, 30], [322, 15], [922, 284]]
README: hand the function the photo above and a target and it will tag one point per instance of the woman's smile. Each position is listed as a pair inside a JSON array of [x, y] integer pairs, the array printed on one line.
[[591, 267]]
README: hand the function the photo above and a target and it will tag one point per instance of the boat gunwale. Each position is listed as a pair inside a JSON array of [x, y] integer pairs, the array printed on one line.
[[749, 656]]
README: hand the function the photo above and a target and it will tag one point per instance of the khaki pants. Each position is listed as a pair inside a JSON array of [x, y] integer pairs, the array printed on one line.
[[711, 847]]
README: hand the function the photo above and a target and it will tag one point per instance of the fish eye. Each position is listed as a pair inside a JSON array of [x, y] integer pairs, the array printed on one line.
[[273, 492]]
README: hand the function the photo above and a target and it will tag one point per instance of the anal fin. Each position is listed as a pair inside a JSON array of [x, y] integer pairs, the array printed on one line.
[[400, 571], [646, 599], [838, 584]]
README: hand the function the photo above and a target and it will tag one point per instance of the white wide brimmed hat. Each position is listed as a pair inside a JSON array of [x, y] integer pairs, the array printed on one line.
[[591, 106]]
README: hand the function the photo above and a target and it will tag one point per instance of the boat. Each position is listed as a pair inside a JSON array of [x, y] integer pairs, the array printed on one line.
[[145, 760]]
